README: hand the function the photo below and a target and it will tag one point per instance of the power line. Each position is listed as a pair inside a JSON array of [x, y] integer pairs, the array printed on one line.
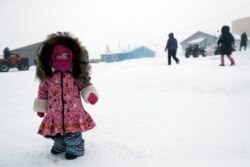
[[215, 18]]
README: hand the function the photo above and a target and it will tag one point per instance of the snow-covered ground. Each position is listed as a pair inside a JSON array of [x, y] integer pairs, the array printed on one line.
[[195, 114]]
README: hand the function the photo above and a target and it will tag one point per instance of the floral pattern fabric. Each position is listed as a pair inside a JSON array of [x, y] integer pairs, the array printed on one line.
[[65, 112]]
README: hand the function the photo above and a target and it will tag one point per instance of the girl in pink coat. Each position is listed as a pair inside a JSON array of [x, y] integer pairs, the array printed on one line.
[[64, 72]]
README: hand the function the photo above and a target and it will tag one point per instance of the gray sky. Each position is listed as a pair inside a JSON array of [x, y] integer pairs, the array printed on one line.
[[116, 23]]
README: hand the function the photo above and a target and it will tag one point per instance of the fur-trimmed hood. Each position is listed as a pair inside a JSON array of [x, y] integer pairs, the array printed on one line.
[[81, 66]]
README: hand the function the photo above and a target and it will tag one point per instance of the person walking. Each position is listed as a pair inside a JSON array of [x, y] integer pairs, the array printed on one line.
[[226, 42], [243, 41], [172, 46]]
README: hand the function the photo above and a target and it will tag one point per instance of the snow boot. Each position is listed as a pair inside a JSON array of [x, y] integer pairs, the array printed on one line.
[[74, 145], [56, 152], [222, 62], [232, 61], [70, 156], [59, 145]]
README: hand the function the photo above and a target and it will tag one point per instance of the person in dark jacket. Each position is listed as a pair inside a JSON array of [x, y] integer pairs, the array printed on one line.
[[172, 46], [243, 41], [226, 42], [6, 53]]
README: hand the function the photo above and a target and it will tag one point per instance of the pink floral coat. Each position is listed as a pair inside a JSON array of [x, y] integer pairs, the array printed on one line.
[[64, 109]]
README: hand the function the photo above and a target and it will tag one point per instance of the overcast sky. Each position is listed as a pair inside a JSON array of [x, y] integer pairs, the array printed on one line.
[[117, 23]]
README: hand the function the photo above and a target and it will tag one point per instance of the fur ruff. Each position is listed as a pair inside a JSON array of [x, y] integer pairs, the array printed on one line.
[[81, 66], [40, 105], [85, 92]]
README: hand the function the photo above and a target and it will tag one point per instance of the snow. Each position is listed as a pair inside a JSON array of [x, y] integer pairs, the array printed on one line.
[[195, 114]]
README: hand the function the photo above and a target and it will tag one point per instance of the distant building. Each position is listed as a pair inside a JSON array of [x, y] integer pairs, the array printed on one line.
[[139, 52], [201, 38], [29, 51], [241, 25]]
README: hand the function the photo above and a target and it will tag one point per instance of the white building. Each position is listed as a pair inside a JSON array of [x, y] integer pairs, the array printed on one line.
[[241, 25]]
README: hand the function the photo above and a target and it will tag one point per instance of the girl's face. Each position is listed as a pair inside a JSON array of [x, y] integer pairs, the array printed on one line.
[[62, 58]]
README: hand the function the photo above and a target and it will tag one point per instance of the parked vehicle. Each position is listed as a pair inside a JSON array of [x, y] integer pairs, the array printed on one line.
[[16, 61], [195, 50]]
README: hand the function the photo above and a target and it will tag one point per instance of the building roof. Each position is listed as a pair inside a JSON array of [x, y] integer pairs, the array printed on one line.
[[198, 32], [35, 45], [217, 35], [127, 51], [198, 40]]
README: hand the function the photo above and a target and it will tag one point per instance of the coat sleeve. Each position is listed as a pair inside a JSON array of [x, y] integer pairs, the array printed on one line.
[[86, 90], [233, 41], [41, 102]]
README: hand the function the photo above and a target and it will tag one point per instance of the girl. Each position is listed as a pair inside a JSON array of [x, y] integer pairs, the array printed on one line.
[[64, 72], [226, 42]]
